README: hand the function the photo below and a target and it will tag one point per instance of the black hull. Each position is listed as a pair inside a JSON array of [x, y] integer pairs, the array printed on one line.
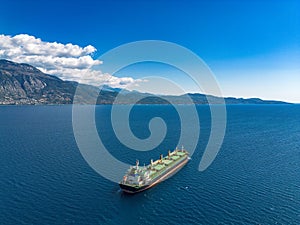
[[132, 190]]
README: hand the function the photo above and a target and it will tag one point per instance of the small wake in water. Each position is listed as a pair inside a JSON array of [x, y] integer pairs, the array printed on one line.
[[185, 188]]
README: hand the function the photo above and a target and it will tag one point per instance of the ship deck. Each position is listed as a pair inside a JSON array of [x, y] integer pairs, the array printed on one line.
[[160, 166]]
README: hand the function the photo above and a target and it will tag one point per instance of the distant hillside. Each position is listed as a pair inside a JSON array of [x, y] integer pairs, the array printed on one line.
[[24, 84]]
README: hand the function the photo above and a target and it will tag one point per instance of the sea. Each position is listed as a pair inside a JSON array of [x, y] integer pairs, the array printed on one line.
[[254, 179]]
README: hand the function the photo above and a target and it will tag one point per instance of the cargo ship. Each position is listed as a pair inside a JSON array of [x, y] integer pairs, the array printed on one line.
[[139, 178]]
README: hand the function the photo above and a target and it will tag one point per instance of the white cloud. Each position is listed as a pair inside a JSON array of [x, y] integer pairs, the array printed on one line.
[[67, 61]]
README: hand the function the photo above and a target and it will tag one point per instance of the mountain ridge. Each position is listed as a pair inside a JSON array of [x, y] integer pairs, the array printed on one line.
[[24, 84]]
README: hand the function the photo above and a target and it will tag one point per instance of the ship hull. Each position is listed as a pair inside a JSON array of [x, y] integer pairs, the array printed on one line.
[[132, 190]]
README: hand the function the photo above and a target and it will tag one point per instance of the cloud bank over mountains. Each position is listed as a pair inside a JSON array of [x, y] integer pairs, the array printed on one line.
[[67, 61]]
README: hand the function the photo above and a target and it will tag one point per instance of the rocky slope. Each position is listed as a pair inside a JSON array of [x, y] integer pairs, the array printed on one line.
[[25, 84]]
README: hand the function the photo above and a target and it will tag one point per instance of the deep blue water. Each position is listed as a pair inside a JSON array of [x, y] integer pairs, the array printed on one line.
[[255, 178]]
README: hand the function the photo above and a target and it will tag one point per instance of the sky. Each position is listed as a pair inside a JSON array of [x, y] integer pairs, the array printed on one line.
[[252, 47]]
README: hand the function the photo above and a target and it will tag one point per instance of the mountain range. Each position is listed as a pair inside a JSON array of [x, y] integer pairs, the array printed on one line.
[[23, 84]]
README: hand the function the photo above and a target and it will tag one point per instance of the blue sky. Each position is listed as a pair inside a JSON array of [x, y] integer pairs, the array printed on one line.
[[253, 47]]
